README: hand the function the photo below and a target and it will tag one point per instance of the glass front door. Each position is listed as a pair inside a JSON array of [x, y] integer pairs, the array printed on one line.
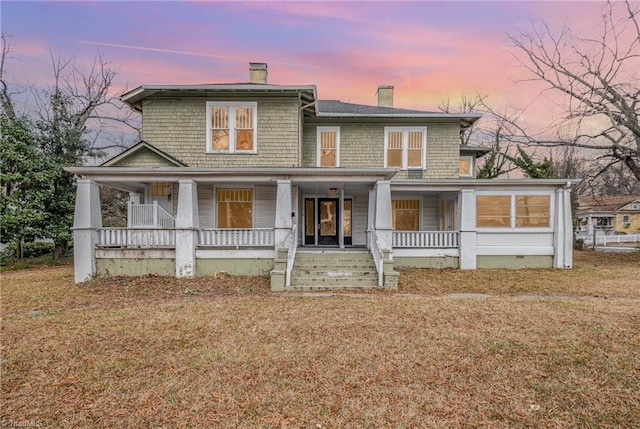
[[322, 221], [328, 221]]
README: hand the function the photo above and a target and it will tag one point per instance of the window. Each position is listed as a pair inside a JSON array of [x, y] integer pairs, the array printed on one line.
[[405, 147], [328, 146], [466, 166], [626, 221], [406, 215], [508, 211], [532, 210], [234, 208], [493, 210], [231, 127], [160, 189]]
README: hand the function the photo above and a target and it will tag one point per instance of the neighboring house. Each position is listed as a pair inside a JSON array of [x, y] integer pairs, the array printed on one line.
[[611, 214], [261, 179]]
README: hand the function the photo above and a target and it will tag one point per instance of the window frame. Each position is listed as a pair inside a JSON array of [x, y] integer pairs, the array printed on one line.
[[228, 187], [232, 106], [471, 166], [512, 214], [405, 146], [319, 130], [420, 211]]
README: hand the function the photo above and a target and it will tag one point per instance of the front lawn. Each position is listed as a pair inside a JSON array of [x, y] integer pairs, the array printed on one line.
[[158, 352]]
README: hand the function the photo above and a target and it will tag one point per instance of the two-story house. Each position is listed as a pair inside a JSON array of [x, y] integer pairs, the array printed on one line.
[[254, 178]]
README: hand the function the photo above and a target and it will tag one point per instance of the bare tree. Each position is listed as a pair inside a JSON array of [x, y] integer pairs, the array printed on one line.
[[600, 80]]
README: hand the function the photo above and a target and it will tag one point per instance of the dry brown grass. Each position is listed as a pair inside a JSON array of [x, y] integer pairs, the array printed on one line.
[[593, 274], [152, 352]]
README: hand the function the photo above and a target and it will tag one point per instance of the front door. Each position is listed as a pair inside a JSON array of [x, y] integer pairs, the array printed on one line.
[[328, 221]]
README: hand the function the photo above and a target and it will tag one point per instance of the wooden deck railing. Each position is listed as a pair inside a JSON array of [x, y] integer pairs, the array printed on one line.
[[254, 237], [149, 215], [426, 239], [137, 238]]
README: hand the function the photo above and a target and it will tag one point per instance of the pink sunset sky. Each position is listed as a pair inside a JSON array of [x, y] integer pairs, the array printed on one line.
[[429, 51]]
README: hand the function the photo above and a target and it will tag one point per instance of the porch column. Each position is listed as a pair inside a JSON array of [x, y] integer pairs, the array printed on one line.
[[187, 223], [341, 221], [563, 231], [383, 215], [468, 250], [371, 215], [134, 198], [284, 221], [86, 221]]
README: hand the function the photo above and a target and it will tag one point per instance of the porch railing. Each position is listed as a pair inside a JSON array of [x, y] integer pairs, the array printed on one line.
[[254, 237], [137, 238], [149, 215], [376, 252], [426, 239], [291, 254]]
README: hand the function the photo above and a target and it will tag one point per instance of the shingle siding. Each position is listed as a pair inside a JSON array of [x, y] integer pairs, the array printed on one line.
[[144, 158], [362, 145], [178, 127]]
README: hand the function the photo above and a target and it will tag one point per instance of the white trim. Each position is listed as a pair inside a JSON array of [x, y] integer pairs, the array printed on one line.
[[215, 203], [232, 106], [471, 165], [405, 143], [513, 194], [319, 130]]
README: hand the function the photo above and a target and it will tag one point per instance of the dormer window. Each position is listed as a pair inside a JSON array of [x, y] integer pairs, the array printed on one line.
[[231, 127]]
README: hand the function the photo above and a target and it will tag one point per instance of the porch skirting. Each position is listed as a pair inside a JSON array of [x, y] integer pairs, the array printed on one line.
[[136, 262]]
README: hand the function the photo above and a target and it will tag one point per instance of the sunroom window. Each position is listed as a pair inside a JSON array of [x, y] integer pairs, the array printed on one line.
[[234, 208], [532, 210], [508, 211], [231, 127]]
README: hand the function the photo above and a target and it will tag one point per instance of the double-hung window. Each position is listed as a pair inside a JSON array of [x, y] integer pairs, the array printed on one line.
[[234, 208], [404, 147], [328, 146], [513, 211], [405, 215], [231, 127]]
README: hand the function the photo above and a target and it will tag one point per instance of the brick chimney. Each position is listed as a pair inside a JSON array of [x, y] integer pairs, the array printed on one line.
[[385, 96], [258, 72]]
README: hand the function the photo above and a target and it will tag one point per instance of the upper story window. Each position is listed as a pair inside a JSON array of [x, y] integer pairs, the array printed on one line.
[[231, 127], [404, 147], [513, 211], [328, 146], [466, 166]]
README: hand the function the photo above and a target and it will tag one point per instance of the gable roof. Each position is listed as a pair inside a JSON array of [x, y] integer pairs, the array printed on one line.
[[592, 203], [139, 147]]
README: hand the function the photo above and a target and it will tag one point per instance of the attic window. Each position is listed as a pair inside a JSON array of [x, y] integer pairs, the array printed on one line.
[[231, 127]]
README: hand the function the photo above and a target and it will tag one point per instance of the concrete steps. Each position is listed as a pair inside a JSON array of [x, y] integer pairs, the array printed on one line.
[[326, 270]]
